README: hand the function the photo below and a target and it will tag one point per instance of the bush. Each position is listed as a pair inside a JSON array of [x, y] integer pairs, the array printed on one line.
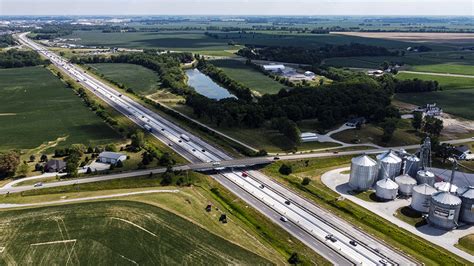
[[285, 169], [306, 181]]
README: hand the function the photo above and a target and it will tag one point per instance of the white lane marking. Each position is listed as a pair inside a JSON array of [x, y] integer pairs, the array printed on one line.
[[134, 224], [51, 242]]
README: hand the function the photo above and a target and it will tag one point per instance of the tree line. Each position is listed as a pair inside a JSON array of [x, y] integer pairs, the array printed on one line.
[[6, 40], [301, 55], [415, 85], [16, 58]]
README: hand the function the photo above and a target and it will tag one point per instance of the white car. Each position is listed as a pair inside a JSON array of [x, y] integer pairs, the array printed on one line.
[[284, 219], [39, 184]]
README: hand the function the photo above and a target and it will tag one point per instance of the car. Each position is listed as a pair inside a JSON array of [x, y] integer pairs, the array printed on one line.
[[287, 202], [262, 186], [383, 261], [39, 184], [335, 152], [216, 163], [143, 116], [179, 141], [284, 219], [203, 150], [331, 237], [352, 242], [194, 149], [276, 158], [170, 144], [162, 129], [244, 174]]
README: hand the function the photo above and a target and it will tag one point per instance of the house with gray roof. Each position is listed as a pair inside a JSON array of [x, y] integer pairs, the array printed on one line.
[[111, 157]]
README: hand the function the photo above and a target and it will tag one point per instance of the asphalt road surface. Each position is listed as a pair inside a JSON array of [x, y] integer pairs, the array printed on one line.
[[301, 222]]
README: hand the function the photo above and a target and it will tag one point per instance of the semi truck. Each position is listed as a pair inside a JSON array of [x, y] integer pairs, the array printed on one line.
[[186, 138], [147, 127]]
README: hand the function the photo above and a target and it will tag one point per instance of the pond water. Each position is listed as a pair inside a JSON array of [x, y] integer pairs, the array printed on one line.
[[204, 85]]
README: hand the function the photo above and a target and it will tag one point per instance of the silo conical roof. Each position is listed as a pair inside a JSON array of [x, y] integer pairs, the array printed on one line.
[[364, 160], [405, 179], [445, 186], [425, 189], [389, 157], [387, 183], [446, 198], [466, 192]]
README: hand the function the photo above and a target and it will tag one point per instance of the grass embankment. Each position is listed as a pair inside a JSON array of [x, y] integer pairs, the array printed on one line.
[[113, 232], [403, 135], [410, 216], [248, 76], [36, 108], [245, 224], [408, 243], [140, 79], [466, 243]]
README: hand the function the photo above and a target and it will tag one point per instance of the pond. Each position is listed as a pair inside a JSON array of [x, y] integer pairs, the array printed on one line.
[[204, 85]]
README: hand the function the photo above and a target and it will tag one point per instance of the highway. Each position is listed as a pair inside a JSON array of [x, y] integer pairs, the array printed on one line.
[[296, 215]]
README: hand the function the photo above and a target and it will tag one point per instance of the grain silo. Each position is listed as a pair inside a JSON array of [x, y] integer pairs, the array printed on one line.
[[363, 172], [389, 165], [405, 184], [445, 186], [444, 210], [412, 165], [386, 189], [425, 177], [467, 197], [421, 197]]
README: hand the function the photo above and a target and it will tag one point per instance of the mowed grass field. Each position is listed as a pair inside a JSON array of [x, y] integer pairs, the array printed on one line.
[[112, 233], [248, 76], [35, 107], [445, 82], [140, 79]]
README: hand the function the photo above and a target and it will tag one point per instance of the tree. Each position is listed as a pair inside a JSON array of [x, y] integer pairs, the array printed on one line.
[[285, 169], [22, 170], [32, 158], [294, 259], [72, 162], [165, 159], [417, 121], [44, 158], [389, 126], [9, 161], [138, 140], [306, 181], [433, 126], [110, 147]]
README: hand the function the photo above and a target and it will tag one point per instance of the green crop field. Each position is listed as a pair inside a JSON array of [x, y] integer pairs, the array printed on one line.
[[456, 102], [179, 40], [142, 80], [248, 76], [445, 68], [445, 82], [35, 107], [112, 233]]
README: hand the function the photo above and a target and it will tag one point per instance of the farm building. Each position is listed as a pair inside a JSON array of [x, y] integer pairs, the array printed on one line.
[[54, 166], [111, 157], [355, 122], [463, 153], [274, 68], [429, 110], [308, 137], [309, 74]]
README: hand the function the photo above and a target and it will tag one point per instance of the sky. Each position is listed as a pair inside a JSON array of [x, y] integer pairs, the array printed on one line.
[[237, 7]]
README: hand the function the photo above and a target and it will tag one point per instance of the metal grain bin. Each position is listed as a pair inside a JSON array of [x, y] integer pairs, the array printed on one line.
[[405, 184], [444, 210], [425, 177], [412, 165], [467, 206], [386, 189], [363, 172], [421, 197], [446, 186], [389, 165]]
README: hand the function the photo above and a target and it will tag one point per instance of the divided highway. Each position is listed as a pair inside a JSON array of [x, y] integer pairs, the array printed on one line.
[[336, 240]]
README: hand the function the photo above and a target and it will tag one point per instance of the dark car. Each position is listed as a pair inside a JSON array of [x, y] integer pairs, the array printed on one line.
[[287, 202], [276, 158], [352, 242]]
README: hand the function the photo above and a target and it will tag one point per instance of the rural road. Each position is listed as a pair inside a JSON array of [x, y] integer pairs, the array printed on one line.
[[437, 74]]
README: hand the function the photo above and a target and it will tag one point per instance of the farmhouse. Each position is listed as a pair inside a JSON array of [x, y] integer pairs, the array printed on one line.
[[274, 68], [356, 122], [309, 74], [308, 137], [463, 153], [430, 110], [111, 157], [54, 166]]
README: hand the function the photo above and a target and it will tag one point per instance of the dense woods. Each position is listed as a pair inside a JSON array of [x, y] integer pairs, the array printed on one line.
[[16, 58], [6, 40], [415, 85], [302, 55]]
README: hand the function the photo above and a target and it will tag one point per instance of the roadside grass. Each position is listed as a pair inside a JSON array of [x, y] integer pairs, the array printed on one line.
[[142, 80], [113, 232], [455, 102], [254, 230], [316, 191], [248, 76], [368, 196], [446, 83], [466, 243], [403, 135], [38, 108], [410, 216]]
